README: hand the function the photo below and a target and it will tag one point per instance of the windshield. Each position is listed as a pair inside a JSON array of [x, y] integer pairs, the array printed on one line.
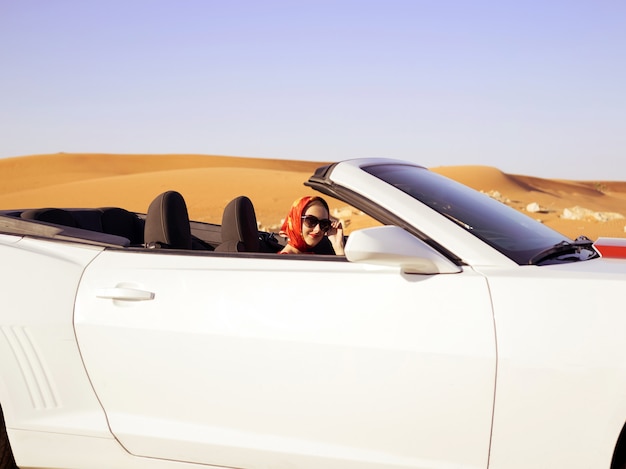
[[514, 234]]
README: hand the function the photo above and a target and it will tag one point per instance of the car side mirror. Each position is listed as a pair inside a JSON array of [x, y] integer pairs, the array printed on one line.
[[393, 246]]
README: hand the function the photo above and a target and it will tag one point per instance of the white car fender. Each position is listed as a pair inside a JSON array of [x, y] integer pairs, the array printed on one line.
[[44, 381]]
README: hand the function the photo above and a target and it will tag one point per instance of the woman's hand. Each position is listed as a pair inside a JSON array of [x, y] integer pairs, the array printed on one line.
[[335, 236]]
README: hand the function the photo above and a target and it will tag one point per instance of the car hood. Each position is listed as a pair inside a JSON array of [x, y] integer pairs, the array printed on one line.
[[600, 265]]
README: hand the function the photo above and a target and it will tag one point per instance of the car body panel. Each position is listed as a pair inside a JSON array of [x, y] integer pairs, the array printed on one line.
[[43, 376], [550, 342], [272, 367]]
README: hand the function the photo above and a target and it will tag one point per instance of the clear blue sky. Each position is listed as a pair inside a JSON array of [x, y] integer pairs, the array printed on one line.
[[534, 87]]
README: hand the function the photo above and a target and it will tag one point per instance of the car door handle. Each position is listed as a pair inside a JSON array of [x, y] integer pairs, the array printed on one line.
[[125, 294]]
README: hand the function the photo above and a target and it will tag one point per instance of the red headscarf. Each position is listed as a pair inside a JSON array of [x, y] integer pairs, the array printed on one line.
[[292, 227]]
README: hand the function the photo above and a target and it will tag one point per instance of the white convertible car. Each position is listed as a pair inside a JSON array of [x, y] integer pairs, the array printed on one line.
[[457, 334]]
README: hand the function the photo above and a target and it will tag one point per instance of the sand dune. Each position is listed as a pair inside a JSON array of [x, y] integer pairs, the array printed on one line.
[[594, 208]]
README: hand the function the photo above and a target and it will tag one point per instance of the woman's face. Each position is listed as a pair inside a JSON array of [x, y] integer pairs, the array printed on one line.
[[312, 236]]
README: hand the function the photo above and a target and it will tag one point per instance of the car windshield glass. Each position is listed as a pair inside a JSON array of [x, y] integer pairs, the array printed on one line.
[[514, 234]]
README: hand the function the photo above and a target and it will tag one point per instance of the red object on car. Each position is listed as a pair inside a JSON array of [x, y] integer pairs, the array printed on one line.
[[611, 247]]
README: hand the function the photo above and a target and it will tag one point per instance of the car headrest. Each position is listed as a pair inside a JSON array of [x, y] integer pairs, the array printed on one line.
[[239, 227], [167, 222]]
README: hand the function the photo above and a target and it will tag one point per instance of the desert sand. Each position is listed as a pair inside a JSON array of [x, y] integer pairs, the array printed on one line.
[[209, 182]]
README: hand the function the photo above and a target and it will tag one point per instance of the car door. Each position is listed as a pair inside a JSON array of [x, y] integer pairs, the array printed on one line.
[[279, 361]]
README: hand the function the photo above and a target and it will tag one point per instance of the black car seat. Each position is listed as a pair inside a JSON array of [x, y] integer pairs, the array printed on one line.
[[121, 222], [240, 232], [167, 222]]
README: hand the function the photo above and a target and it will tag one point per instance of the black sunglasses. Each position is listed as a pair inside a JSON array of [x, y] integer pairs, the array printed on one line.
[[311, 222]]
